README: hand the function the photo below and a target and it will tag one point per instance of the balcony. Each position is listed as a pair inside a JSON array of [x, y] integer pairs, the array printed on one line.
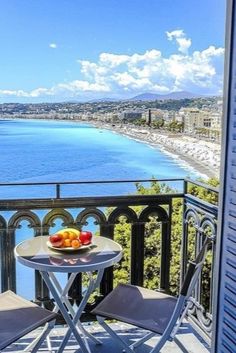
[[177, 217]]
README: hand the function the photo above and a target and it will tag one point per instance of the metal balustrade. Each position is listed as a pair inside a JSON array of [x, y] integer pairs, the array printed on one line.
[[199, 220]]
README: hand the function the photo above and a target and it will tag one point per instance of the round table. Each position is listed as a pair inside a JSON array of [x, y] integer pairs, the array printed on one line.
[[103, 252]]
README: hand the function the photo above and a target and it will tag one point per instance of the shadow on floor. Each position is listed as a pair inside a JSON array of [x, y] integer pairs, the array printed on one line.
[[187, 341]]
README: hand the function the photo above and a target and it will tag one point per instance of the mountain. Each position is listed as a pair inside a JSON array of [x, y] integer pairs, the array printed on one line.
[[146, 97], [182, 95], [173, 95], [105, 99]]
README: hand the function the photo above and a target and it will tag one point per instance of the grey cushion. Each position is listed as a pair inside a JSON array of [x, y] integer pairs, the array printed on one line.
[[18, 317], [138, 306]]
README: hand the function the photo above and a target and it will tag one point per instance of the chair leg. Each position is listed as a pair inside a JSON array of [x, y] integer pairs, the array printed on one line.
[[142, 340], [164, 338], [35, 345], [88, 334], [107, 328]]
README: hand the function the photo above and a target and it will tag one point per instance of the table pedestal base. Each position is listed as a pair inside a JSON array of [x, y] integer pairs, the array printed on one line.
[[71, 317]]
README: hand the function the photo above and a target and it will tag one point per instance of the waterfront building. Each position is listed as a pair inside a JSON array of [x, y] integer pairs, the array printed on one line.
[[129, 115]]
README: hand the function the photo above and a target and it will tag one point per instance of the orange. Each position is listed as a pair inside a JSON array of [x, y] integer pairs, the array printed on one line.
[[72, 235], [66, 234], [75, 243], [67, 243]]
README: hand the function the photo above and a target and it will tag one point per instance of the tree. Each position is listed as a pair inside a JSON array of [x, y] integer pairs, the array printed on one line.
[[157, 124]]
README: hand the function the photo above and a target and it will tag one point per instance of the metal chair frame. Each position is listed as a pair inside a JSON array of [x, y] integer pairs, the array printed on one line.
[[180, 311]]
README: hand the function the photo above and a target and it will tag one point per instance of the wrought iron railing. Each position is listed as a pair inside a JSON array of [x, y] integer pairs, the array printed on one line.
[[199, 220]]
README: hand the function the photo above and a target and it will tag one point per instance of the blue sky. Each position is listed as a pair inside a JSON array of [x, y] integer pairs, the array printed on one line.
[[61, 50]]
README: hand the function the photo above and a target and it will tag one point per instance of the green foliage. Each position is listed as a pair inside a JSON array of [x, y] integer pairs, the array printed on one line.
[[157, 124], [122, 236], [204, 194], [139, 122], [154, 189], [152, 254], [175, 126]]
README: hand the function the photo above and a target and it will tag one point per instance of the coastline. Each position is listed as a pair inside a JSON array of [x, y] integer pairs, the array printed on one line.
[[202, 156]]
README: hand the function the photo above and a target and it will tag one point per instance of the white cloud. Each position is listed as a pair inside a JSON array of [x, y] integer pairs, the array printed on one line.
[[117, 74], [82, 86], [53, 45], [17, 93], [180, 37], [32, 94], [175, 34], [113, 60], [128, 81]]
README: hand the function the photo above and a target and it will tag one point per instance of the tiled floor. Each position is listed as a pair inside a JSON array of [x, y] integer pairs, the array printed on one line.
[[188, 341]]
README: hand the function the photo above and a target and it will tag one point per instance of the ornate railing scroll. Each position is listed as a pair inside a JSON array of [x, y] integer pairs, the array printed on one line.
[[200, 221]]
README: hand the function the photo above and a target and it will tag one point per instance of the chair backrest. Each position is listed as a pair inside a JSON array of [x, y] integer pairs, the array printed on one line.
[[194, 269], [190, 280]]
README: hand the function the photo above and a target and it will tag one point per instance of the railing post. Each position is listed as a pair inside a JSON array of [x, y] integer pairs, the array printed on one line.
[[184, 243], [137, 253], [165, 256], [9, 275], [75, 291], [106, 286], [58, 191], [4, 262]]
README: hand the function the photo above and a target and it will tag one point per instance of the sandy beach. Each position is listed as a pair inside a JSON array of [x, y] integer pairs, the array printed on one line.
[[203, 156]]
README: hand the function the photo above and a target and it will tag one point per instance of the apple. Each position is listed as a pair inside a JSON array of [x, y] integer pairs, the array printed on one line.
[[85, 237], [56, 240]]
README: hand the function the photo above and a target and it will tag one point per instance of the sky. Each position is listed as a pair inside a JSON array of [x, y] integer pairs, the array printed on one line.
[[77, 50]]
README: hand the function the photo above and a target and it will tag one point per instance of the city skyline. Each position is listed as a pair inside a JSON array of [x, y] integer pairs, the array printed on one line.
[[80, 50]]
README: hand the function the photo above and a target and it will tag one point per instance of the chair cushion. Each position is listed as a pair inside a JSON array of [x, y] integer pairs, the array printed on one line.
[[19, 316], [138, 306]]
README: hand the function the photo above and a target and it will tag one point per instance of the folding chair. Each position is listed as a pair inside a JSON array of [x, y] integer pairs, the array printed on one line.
[[19, 316], [156, 312]]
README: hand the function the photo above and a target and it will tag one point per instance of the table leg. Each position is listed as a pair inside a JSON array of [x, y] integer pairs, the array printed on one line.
[[71, 323], [70, 308], [63, 292], [95, 285], [92, 285]]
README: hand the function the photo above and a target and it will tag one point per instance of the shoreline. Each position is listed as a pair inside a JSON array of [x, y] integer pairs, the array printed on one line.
[[202, 156]]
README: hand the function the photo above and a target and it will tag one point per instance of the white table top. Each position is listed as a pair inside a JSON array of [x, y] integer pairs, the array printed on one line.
[[36, 254]]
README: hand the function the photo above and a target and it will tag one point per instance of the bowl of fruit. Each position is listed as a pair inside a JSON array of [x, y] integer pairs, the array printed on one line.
[[70, 239]]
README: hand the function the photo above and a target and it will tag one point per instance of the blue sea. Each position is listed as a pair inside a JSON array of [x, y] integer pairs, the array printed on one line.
[[46, 151], [33, 150]]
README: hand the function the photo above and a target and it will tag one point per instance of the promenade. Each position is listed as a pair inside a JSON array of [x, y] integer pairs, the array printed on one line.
[[203, 156]]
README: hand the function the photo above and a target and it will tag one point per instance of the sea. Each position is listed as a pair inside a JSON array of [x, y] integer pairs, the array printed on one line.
[[49, 150], [59, 151]]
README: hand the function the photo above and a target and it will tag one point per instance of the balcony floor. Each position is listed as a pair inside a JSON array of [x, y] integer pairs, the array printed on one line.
[[188, 341]]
